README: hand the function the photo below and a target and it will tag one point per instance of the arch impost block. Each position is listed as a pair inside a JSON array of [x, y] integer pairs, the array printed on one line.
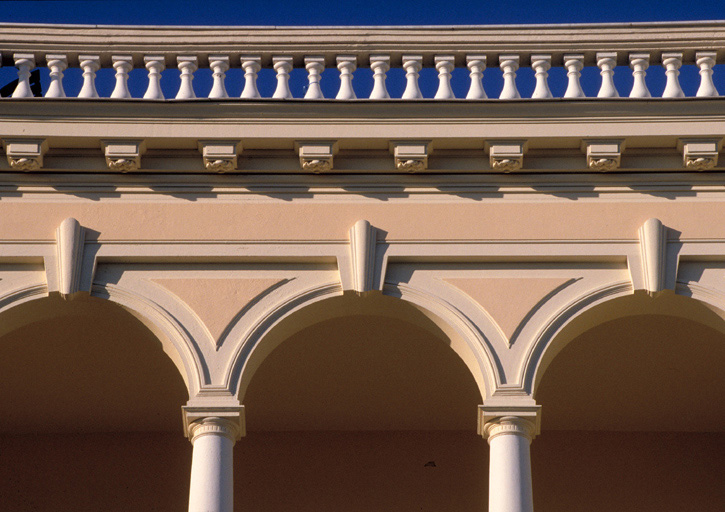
[[494, 412], [233, 415]]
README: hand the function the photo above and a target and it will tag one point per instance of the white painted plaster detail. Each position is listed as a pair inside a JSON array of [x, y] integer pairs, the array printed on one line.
[[251, 64], [25, 154], [412, 64], [445, 65], [699, 154], [316, 156], [282, 66], [706, 61], [541, 65], [607, 61], [506, 156], [123, 64], [25, 62], [220, 156], [57, 64], [155, 65], [639, 62], [363, 241], [90, 64], [70, 239], [476, 66], [410, 156], [123, 155], [603, 155], [574, 65], [347, 64], [653, 249], [219, 65], [672, 63], [187, 64], [315, 66], [380, 64], [509, 64]]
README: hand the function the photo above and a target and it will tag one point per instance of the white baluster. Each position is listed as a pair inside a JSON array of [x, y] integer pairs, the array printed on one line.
[[123, 64], [57, 64], [219, 65], [283, 66], [509, 64], [445, 65], [574, 65], [607, 61], [314, 66], [672, 63], [639, 62], [541, 65], [412, 65], [706, 60], [347, 64], [90, 64], [251, 64], [155, 65], [380, 64], [187, 65], [476, 65], [24, 62]]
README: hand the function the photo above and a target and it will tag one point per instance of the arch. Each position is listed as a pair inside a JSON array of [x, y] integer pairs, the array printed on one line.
[[317, 303], [617, 300], [173, 338]]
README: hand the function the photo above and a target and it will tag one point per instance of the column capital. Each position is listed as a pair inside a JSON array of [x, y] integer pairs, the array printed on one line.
[[517, 418], [228, 421]]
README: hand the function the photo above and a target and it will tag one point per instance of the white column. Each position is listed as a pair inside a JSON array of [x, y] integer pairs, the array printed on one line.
[[412, 65], [510, 487], [347, 64], [476, 65], [445, 65], [639, 62], [607, 62], [380, 64], [57, 64], [251, 64], [706, 60], [283, 66], [672, 63], [574, 65], [219, 65], [212, 464], [24, 62], [541, 65], [314, 66], [123, 64], [155, 65], [187, 65], [90, 64], [509, 64]]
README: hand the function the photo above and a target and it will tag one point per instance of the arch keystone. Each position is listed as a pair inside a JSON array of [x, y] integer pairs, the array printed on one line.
[[653, 254], [363, 240], [70, 238]]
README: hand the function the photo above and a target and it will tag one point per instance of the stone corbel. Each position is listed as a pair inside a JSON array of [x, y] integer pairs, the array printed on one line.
[[220, 156], [699, 154], [316, 156], [25, 154], [603, 155], [411, 156], [506, 155], [232, 414], [123, 155]]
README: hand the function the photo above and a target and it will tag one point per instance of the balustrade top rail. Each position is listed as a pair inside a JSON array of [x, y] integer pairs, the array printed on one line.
[[540, 47]]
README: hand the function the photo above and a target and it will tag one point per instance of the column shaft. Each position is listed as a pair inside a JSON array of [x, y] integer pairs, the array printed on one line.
[[212, 481]]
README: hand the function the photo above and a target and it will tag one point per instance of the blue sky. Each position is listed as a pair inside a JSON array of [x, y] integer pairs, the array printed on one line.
[[354, 12]]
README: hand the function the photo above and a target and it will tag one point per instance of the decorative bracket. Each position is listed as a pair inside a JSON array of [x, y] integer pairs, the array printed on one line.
[[653, 252], [603, 155], [70, 239], [316, 156], [234, 414], [25, 154], [220, 156], [506, 155], [699, 154], [123, 155], [411, 156], [363, 241]]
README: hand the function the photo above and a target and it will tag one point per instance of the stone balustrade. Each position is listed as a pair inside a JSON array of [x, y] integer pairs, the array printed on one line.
[[473, 50]]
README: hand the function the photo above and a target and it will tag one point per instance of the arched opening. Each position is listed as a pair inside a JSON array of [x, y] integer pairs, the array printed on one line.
[[89, 411], [632, 410], [370, 409]]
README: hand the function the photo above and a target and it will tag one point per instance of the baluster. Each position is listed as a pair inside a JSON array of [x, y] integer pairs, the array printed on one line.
[[541, 65], [314, 66], [706, 60], [24, 62], [123, 64], [606, 61], [445, 65], [219, 65], [57, 64], [574, 65], [639, 62], [509, 64], [347, 64], [283, 66], [672, 63], [155, 65], [412, 65], [90, 64], [380, 64], [251, 64], [187, 65], [476, 66]]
